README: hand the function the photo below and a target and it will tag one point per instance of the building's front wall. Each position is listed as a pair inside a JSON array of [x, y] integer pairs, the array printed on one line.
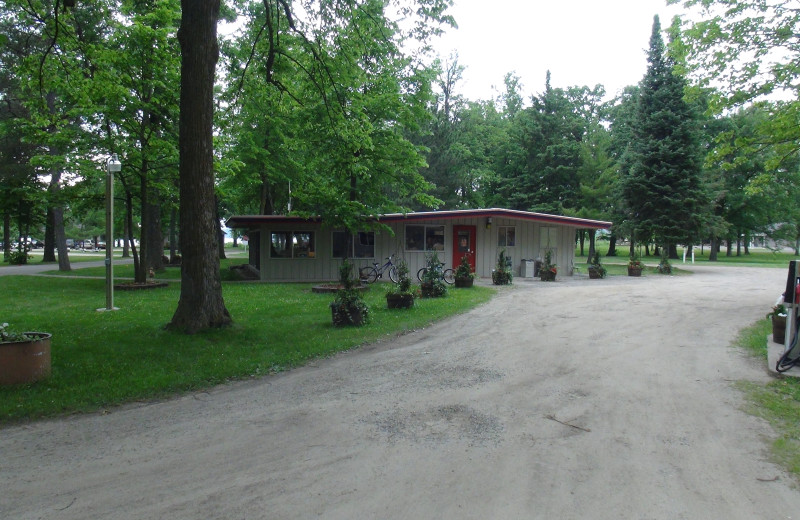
[[530, 240]]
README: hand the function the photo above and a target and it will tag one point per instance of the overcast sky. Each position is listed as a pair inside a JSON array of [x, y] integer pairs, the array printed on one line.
[[581, 42]]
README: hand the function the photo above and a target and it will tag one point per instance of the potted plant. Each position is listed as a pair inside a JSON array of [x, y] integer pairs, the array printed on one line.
[[778, 317], [635, 266], [349, 307], [664, 267], [432, 284], [400, 295], [464, 275], [548, 270], [502, 274], [24, 356], [596, 269]]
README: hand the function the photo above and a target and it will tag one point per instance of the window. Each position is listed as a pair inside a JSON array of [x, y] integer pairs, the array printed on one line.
[[292, 244], [424, 238], [506, 236], [363, 244]]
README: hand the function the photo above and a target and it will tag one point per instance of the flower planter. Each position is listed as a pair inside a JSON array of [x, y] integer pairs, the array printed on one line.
[[779, 329], [342, 316], [399, 301], [25, 361], [547, 276], [595, 274], [501, 278], [464, 282], [634, 271]]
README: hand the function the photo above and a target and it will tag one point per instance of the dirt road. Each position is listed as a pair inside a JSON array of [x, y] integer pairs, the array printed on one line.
[[571, 400]]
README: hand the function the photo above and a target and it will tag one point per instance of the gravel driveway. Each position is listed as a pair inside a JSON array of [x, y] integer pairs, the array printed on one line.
[[570, 400]]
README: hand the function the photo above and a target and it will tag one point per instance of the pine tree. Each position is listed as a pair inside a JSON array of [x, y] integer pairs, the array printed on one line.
[[662, 187]]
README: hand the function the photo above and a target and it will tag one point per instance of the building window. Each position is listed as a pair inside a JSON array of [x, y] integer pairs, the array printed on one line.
[[424, 238], [292, 244], [363, 245], [506, 236]]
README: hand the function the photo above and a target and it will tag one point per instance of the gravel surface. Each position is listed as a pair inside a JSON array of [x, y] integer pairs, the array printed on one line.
[[576, 399]]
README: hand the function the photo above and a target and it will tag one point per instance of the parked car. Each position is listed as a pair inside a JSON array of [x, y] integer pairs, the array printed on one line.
[[70, 243], [88, 244]]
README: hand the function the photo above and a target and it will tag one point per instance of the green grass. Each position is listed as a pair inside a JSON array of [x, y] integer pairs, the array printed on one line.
[[103, 359], [777, 402], [756, 257]]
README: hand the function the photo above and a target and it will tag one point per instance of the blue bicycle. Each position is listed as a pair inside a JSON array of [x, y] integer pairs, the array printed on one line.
[[371, 273]]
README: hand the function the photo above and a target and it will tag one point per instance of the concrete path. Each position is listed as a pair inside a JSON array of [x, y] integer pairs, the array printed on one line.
[[609, 399]]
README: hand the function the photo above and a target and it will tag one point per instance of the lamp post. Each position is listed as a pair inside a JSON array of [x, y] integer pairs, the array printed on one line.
[[113, 165]]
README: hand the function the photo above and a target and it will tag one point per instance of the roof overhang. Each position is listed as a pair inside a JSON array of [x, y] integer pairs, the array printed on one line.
[[251, 221]]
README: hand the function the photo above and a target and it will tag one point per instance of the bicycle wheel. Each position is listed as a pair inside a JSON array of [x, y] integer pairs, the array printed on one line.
[[368, 274], [421, 273], [449, 276], [393, 274]]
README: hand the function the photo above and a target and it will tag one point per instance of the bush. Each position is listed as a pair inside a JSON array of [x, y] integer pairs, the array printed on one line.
[[18, 257]]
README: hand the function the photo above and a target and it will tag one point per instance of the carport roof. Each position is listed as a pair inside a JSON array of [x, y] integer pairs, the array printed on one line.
[[249, 221]]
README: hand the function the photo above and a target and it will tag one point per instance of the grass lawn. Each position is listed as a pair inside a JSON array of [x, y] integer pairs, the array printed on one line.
[[756, 258], [102, 359], [778, 401]]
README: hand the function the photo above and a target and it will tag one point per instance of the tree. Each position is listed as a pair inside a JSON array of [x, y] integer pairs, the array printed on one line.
[[662, 188], [201, 305], [541, 173]]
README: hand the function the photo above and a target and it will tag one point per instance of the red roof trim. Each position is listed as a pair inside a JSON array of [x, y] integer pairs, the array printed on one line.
[[240, 221]]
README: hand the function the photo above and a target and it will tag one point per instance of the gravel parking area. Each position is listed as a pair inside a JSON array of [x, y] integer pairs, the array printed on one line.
[[601, 399]]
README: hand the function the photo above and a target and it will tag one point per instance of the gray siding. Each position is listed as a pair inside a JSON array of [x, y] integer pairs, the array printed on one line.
[[322, 267]]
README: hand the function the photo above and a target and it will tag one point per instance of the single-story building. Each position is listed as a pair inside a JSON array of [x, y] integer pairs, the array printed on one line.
[[289, 248]]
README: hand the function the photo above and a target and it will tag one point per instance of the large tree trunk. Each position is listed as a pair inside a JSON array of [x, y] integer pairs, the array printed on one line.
[[155, 238], [713, 249], [61, 239], [612, 245], [6, 234], [49, 253], [201, 304]]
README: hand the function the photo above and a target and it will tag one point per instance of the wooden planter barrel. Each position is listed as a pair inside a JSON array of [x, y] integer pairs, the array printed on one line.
[[634, 271], [25, 361], [399, 301], [464, 282]]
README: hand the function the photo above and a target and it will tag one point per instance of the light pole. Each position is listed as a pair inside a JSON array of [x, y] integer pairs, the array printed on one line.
[[113, 165]]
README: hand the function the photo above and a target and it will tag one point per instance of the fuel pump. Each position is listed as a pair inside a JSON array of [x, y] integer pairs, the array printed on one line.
[[791, 300]]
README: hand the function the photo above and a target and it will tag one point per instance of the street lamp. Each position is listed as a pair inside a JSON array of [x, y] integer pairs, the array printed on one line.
[[113, 165]]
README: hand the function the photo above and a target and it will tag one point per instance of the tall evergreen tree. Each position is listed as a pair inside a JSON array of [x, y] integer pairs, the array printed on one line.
[[662, 188]]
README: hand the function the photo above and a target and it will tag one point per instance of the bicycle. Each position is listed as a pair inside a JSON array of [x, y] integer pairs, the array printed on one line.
[[371, 273], [448, 276]]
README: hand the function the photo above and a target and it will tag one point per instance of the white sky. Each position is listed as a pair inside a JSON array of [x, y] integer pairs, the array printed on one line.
[[581, 42]]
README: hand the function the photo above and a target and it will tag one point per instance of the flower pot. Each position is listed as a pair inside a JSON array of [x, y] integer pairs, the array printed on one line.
[[399, 301], [595, 274], [634, 271], [432, 290], [779, 329], [464, 282], [501, 278], [343, 315], [25, 361], [547, 276]]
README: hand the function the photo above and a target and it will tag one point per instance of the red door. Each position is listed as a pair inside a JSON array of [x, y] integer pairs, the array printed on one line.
[[464, 244]]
